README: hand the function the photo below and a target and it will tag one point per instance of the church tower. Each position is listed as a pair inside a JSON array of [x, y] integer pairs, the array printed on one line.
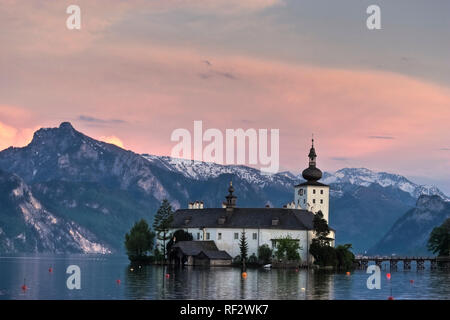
[[312, 195]]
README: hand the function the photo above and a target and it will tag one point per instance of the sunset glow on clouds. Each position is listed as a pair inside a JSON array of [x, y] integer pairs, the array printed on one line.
[[131, 81]]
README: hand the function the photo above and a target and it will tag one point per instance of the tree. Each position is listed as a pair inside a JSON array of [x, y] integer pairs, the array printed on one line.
[[162, 222], [139, 241], [264, 254], [439, 241], [344, 256], [243, 246], [287, 249], [321, 229]]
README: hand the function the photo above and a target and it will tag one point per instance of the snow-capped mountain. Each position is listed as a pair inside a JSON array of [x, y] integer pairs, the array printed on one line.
[[365, 177], [199, 170]]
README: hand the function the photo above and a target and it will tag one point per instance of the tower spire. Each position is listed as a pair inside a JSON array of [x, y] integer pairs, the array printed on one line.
[[312, 173]]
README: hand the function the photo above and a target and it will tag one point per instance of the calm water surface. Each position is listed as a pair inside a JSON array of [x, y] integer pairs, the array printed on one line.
[[99, 275]]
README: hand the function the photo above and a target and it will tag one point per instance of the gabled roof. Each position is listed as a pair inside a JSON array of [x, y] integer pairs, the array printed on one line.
[[251, 218], [193, 248], [215, 255]]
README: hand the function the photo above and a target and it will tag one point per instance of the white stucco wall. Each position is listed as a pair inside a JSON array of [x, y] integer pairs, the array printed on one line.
[[228, 242], [307, 198]]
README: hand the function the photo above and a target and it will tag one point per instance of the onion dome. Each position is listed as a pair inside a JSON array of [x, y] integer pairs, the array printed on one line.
[[312, 173]]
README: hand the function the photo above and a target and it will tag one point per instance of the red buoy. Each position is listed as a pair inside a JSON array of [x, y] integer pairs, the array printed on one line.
[[388, 275], [411, 281], [50, 270], [167, 275], [296, 270], [118, 281], [390, 298], [24, 286]]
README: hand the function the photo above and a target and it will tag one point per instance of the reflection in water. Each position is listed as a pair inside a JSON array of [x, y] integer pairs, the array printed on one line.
[[100, 274]]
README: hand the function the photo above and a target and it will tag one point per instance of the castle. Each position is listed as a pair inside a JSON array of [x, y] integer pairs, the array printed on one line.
[[221, 228]]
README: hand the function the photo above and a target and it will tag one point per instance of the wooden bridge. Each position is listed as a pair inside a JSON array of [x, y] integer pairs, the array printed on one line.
[[435, 262]]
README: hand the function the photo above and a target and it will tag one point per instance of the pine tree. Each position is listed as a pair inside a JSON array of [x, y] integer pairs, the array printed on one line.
[[139, 240], [243, 246], [162, 222]]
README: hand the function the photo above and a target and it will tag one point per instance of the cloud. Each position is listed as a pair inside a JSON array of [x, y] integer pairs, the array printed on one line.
[[11, 136], [90, 119], [339, 158], [382, 137], [445, 149]]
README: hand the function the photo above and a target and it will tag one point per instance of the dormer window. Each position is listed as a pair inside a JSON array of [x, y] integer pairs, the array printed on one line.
[[275, 221]]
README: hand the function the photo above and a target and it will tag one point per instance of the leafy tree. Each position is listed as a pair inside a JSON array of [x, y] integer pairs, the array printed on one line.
[[287, 249], [253, 259], [324, 255], [161, 224], [243, 246], [264, 254], [139, 241], [439, 241], [344, 256]]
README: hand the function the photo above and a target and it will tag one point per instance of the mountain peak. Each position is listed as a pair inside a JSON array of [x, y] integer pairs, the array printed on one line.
[[66, 125], [433, 202]]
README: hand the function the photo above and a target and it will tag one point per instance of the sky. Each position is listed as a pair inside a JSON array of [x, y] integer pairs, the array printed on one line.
[[138, 70]]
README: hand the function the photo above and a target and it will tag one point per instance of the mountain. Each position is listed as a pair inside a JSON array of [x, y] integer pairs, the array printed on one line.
[[104, 189], [410, 233], [366, 177], [364, 204], [27, 226]]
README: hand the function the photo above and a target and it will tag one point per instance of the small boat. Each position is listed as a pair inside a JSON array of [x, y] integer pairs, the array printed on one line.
[[267, 266]]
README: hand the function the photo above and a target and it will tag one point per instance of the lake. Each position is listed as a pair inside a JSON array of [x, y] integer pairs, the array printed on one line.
[[99, 275]]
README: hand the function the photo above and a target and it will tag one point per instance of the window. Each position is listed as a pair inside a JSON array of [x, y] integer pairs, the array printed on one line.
[[321, 191], [236, 236], [207, 236], [198, 235], [304, 201], [255, 236], [314, 200], [314, 191], [321, 201], [219, 236], [300, 192]]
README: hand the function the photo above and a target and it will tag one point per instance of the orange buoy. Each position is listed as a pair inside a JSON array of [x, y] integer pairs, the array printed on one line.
[[388, 275], [244, 275], [347, 273], [24, 286]]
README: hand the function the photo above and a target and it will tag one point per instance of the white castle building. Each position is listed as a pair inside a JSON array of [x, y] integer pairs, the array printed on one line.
[[224, 226]]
